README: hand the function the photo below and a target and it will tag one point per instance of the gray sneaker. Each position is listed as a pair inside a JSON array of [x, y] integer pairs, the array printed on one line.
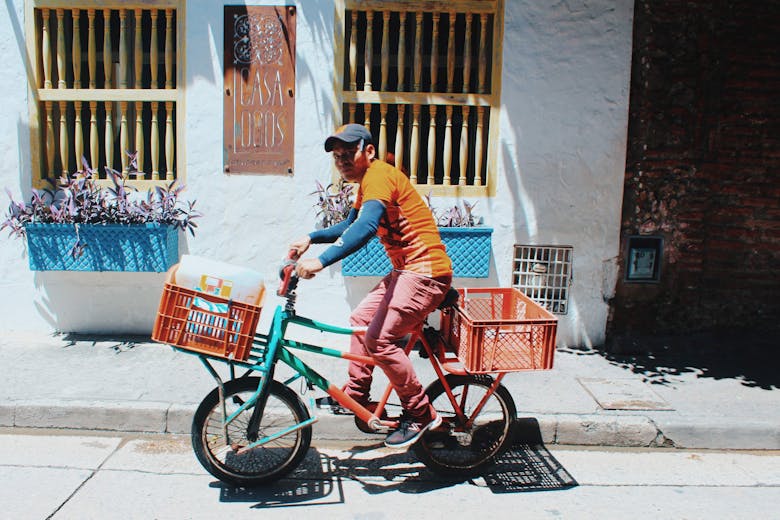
[[410, 431]]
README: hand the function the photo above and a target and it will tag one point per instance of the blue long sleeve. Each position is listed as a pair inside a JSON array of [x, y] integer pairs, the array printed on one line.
[[356, 234], [332, 233]]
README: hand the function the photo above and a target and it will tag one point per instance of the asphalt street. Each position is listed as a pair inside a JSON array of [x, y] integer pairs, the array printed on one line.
[[83, 475]]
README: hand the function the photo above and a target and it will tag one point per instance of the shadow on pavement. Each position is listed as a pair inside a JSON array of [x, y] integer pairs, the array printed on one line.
[[746, 357], [117, 342], [526, 466]]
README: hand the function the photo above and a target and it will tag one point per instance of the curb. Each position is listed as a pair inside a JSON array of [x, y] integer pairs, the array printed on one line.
[[635, 431]]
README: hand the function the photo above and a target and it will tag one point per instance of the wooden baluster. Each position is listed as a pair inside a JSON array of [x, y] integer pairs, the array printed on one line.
[[464, 147], [451, 18], [169, 140], [124, 138], [367, 116], [109, 136], [91, 50], [94, 146], [435, 52], [138, 58], [432, 147], [385, 48], [64, 149], [139, 136], [78, 136], [169, 48], [154, 61], [401, 52], [351, 113], [478, 149], [399, 138], [448, 148], [382, 131], [482, 52], [122, 76], [417, 51], [61, 50], [369, 50], [467, 55], [353, 52], [155, 142], [76, 52], [108, 66], [46, 49], [414, 157], [49, 138]]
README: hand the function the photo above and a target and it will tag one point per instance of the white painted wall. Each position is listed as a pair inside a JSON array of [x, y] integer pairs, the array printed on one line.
[[561, 161]]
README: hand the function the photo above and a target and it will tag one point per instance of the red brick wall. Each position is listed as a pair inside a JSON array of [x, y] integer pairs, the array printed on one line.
[[702, 167]]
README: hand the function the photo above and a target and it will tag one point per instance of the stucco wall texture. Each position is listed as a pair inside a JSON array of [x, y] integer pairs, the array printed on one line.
[[565, 87]]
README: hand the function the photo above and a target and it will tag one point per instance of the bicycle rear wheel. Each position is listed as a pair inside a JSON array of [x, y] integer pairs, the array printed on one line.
[[455, 449], [265, 463]]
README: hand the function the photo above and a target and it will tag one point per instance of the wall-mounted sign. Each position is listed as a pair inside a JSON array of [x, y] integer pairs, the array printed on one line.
[[643, 259], [259, 89]]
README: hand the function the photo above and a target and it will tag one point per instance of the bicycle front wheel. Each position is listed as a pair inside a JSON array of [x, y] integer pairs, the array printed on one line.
[[461, 449], [223, 457]]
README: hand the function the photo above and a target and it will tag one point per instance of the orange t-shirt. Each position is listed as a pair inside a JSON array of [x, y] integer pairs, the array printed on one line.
[[407, 230]]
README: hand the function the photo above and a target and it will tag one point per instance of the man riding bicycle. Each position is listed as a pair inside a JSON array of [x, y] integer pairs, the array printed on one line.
[[388, 206]]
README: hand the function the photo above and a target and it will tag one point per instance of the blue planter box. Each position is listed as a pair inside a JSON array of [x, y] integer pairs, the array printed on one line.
[[110, 247], [469, 249]]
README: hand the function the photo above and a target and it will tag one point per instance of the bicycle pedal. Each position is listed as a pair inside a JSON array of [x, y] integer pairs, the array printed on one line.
[[340, 410], [328, 403]]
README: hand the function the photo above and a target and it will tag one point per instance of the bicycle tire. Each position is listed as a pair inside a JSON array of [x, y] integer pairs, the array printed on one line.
[[452, 449], [264, 463]]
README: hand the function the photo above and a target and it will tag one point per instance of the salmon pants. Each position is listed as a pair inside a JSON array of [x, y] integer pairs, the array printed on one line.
[[394, 308]]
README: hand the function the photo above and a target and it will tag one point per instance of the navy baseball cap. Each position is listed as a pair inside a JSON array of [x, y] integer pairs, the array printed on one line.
[[351, 133]]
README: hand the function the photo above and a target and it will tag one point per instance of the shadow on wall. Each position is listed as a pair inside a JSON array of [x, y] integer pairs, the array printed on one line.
[[209, 21], [741, 355]]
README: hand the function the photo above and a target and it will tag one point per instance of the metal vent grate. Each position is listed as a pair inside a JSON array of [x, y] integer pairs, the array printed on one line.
[[543, 273]]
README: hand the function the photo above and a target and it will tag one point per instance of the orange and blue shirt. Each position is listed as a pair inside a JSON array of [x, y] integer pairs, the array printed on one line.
[[407, 230], [388, 206]]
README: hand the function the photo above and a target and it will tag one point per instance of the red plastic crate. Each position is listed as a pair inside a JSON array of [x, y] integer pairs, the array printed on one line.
[[500, 330], [204, 323]]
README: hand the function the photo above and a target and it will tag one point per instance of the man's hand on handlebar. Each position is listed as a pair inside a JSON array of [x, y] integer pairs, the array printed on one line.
[[308, 267], [304, 268], [300, 245]]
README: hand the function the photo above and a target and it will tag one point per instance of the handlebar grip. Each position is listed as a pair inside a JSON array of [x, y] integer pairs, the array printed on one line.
[[287, 274]]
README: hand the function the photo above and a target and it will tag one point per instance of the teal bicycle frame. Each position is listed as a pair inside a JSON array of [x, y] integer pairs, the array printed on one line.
[[267, 350]]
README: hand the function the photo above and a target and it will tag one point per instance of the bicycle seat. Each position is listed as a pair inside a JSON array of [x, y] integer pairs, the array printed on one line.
[[450, 299]]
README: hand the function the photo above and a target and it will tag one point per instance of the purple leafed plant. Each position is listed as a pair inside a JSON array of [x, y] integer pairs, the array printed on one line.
[[78, 199], [454, 216], [333, 203]]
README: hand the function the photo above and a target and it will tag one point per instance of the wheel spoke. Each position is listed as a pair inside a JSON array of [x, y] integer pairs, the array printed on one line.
[[458, 448], [262, 463]]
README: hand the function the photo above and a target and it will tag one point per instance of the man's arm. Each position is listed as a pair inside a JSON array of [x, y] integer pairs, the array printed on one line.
[[332, 233], [356, 234]]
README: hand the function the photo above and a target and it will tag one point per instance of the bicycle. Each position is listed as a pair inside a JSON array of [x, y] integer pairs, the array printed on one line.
[[254, 429]]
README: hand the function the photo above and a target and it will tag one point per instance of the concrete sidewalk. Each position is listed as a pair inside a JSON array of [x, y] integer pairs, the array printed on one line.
[[588, 398]]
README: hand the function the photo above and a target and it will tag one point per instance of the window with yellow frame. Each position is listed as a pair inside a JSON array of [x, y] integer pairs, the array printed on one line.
[[106, 80], [425, 77]]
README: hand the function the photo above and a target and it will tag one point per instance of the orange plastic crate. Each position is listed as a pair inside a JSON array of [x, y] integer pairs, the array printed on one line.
[[500, 330], [204, 323]]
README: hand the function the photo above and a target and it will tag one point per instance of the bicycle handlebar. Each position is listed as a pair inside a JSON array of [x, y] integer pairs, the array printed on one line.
[[287, 276]]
